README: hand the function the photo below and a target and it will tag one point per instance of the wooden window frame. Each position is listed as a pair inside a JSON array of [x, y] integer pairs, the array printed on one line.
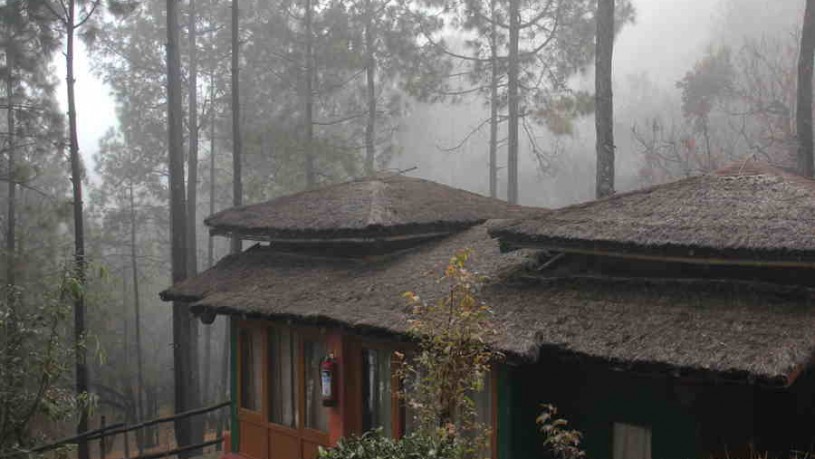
[[317, 335], [301, 333], [260, 418], [397, 430], [245, 413]]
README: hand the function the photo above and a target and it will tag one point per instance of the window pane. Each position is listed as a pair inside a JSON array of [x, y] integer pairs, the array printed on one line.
[[376, 390], [316, 414], [631, 442], [483, 403], [282, 383], [408, 414], [251, 367]]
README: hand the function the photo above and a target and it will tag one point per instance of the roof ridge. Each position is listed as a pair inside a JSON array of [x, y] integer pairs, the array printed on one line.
[[379, 213]]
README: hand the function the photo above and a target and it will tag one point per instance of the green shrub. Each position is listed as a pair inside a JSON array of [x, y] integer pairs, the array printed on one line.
[[373, 445]]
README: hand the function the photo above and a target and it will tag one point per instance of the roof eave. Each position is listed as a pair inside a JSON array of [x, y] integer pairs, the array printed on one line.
[[667, 253], [515, 356]]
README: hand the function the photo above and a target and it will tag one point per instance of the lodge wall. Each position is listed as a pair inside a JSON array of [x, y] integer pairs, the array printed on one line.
[[687, 418]]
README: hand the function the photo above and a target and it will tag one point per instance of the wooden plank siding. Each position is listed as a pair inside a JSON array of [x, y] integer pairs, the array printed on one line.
[[255, 437]]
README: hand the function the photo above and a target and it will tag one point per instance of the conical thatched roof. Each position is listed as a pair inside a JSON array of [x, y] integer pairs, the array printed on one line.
[[738, 329], [745, 211], [382, 206]]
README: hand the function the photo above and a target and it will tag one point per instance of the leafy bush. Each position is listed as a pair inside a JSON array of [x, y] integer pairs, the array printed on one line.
[[558, 437], [373, 445], [454, 358]]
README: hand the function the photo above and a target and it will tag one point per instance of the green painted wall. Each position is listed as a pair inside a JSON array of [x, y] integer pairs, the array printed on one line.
[[592, 399], [504, 431]]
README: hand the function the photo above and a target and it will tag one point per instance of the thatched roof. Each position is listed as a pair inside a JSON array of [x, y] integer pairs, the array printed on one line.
[[746, 211], [719, 327], [381, 206]]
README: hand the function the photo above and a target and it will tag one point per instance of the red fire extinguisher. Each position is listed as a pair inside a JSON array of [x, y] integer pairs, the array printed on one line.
[[328, 380]]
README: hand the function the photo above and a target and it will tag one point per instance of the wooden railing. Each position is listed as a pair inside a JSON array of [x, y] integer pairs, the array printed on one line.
[[108, 432]]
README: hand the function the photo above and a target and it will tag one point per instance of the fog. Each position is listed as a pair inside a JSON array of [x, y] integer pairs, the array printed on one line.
[[122, 130]]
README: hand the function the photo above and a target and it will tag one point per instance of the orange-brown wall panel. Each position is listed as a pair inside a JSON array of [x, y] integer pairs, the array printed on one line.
[[253, 442], [283, 446]]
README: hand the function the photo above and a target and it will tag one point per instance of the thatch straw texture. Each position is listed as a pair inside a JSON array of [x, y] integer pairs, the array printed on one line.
[[748, 210], [720, 327], [385, 205]]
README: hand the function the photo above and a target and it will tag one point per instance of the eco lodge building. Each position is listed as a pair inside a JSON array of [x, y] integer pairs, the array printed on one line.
[[670, 322]]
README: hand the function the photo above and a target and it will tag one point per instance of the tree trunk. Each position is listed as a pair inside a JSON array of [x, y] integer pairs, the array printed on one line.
[[184, 383], [803, 116], [308, 95], [493, 102], [513, 100], [207, 393], [79, 234], [237, 141], [225, 355], [11, 239], [370, 74], [137, 310], [192, 159], [604, 115], [210, 240]]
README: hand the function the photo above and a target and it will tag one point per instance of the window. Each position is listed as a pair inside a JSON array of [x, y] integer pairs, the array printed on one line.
[[316, 415], [631, 441], [282, 380], [251, 369], [483, 402], [377, 396]]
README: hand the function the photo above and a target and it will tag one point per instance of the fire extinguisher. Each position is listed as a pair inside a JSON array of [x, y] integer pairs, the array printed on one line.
[[328, 380]]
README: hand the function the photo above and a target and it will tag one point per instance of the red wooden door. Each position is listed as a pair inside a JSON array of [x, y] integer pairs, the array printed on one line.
[[298, 423]]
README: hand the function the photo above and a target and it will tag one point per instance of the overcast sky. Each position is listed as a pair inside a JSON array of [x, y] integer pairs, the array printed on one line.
[[664, 41]]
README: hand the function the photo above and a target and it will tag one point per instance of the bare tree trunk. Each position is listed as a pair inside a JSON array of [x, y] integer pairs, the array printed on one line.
[[237, 141], [182, 338], [11, 239], [370, 75], [309, 98], [79, 233], [134, 267], [604, 116], [513, 101], [192, 159], [196, 423], [224, 383], [493, 103], [210, 240], [803, 116], [207, 393]]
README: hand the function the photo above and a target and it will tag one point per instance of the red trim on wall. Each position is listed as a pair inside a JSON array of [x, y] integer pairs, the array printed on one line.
[[334, 344]]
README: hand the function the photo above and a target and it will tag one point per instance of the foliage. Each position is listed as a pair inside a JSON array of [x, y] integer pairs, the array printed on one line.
[[373, 445], [735, 102], [711, 81], [33, 359], [454, 334], [564, 442]]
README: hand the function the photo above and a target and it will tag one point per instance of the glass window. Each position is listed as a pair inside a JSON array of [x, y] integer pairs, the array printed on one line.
[[631, 442], [483, 402], [251, 368], [282, 377], [316, 415], [376, 390]]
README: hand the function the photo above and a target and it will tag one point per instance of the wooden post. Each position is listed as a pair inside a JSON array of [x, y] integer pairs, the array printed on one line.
[[102, 425], [127, 445]]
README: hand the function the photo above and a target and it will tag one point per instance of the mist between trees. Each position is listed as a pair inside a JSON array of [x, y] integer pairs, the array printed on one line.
[[453, 90]]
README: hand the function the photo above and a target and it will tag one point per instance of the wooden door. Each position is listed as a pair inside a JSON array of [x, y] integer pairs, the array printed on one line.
[[251, 374], [297, 423]]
